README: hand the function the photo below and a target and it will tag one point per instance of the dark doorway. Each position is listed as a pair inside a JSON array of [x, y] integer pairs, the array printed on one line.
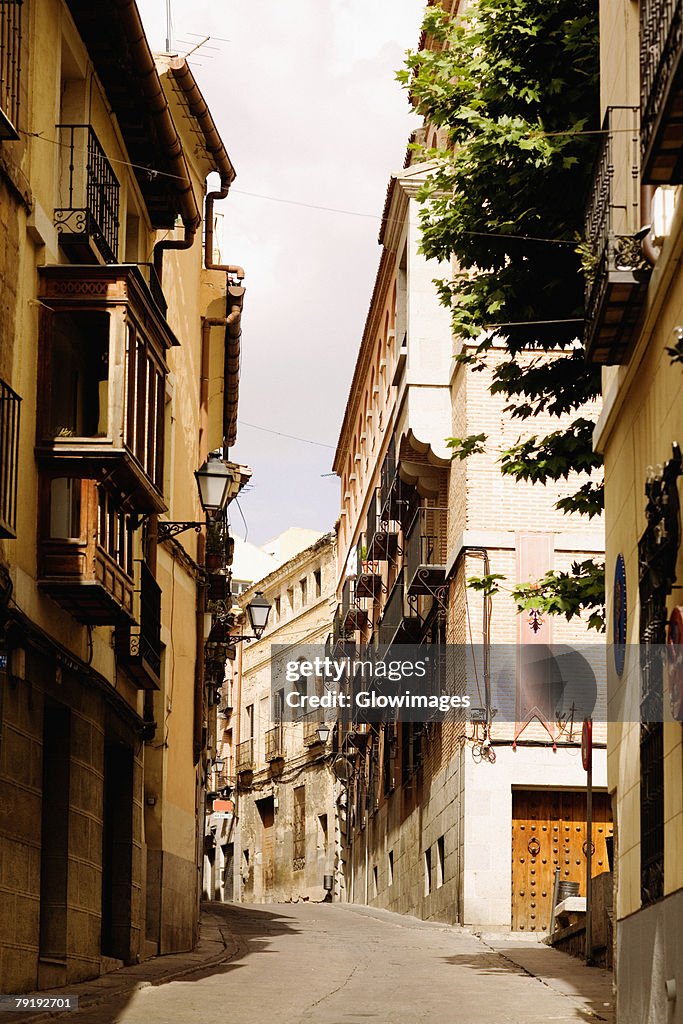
[[54, 849], [117, 852]]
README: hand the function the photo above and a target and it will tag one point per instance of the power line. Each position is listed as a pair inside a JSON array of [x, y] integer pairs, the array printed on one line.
[[292, 437]]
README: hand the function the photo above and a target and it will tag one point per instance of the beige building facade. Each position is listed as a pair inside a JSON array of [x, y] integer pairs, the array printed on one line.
[[114, 321], [431, 811], [634, 313], [280, 839]]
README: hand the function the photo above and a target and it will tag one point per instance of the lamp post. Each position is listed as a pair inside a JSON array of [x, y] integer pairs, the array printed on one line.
[[323, 732]]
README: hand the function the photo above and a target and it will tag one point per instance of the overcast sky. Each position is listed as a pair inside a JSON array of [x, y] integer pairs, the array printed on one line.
[[305, 100]]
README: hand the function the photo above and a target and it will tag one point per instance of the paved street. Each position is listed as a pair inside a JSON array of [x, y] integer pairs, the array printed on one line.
[[334, 964]]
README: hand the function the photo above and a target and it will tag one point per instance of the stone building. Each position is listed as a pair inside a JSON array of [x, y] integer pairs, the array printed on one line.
[[115, 319], [634, 313], [280, 840], [438, 817]]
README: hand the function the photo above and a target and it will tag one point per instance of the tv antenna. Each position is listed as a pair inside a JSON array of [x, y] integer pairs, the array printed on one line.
[[168, 26]]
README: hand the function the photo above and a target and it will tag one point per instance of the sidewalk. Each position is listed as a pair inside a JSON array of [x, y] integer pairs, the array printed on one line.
[[590, 987], [216, 946]]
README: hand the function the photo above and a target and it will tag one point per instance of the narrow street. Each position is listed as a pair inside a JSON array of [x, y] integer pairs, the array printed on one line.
[[335, 964]]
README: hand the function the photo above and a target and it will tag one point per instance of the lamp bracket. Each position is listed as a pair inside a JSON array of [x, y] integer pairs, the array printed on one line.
[[167, 530]]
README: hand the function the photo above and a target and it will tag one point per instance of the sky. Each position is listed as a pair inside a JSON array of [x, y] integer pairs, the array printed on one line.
[[305, 99]]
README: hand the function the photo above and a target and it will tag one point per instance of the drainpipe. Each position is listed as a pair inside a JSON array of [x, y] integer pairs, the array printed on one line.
[[168, 136], [650, 251], [214, 145]]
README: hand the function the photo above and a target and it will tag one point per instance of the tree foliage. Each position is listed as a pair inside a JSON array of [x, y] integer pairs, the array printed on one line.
[[514, 86]]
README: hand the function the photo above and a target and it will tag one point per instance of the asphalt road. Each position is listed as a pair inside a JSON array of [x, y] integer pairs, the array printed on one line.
[[336, 964]]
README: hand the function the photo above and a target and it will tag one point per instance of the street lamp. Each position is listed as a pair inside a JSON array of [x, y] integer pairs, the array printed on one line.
[[258, 611], [214, 483], [219, 765], [323, 732]]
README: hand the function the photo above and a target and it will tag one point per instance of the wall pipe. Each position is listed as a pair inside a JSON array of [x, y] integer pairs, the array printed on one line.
[[232, 321], [168, 136], [650, 251]]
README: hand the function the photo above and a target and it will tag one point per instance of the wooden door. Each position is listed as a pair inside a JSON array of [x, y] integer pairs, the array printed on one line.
[[549, 831], [266, 809]]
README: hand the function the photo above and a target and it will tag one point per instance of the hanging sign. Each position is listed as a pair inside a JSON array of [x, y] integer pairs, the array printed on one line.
[[587, 744]]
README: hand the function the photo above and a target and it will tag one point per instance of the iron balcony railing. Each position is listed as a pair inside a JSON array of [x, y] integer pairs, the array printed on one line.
[[89, 194], [244, 756], [10, 67], [9, 459], [154, 284], [615, 268], [382, 530], [425, 550], [353, 615], [275, 749], [312, 722], [661, 86], [399, 621]]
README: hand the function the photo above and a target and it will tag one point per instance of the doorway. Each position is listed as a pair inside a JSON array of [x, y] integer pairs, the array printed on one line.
[[266, 809]]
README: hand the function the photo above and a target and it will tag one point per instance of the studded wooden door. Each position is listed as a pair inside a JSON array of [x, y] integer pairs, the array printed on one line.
[[549, 831]]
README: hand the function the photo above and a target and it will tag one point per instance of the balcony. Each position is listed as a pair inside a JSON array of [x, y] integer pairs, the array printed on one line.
[[341, 641], [425, 551], [244, 756], [368, 576], [138, 648], [9, 459], [312, 722], [661, 91], [87, 211], [399, 623], [275, 748], [10, 67], [617, 273], [85, 551], [382, 532], [353, 617], [102, 378]]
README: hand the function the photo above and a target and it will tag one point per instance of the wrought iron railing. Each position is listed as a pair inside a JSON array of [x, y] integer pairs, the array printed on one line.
[[393, 612], [9, 459], [154, 284], [425, 543], [661, 40], [244, 756], [10, 67], [612, 216], [275, 748], [312, 722], [89, 192]]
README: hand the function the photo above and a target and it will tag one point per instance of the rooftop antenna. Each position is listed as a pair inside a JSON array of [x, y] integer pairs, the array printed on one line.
[[168, 26]]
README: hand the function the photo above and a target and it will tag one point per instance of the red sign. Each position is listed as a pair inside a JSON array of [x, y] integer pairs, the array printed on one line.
[[225, 806], [587, 744]]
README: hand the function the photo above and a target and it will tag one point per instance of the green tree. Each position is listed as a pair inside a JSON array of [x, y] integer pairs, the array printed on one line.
[[514, 84]]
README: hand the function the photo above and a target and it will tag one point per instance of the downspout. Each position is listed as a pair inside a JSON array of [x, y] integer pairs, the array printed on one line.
[[168, 136], [235, 274], [650, 251]]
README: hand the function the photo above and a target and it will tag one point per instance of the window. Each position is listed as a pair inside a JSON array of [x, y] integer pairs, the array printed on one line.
[[9, 463], [276, 609], [65, 508], [440, 855], [290, 598], [250, 721], [390, 868], [317, 582], [144, 430], [303, 587], [375, 886], [10, 67], [322, 832], [113, 532], [299, 849], [79, 378], [428, 872]]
